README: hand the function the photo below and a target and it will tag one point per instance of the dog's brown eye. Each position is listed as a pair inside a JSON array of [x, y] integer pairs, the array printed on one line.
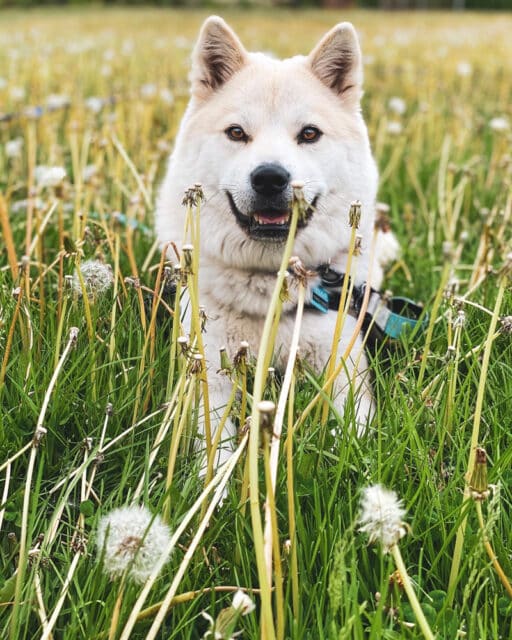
[[309, 134], [236, 133]]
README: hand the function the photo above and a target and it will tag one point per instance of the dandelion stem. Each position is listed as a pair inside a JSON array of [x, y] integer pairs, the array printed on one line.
[[268, 632], [459, 541], [221, 479], [409, 590], [490, 551]]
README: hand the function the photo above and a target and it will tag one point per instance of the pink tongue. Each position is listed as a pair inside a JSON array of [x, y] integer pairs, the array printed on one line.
[[263, 219]]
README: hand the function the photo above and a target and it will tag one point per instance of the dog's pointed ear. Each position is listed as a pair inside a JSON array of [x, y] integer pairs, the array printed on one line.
[[217, 56], [337, 62]]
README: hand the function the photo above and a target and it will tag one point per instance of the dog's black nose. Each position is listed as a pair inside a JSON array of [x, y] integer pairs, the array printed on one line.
[[269, 179]]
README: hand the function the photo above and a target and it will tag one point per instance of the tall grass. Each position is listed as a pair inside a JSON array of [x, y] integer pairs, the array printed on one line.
[[100, 399]]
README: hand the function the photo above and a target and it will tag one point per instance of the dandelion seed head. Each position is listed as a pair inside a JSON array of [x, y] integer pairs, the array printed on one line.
[[49, 176], [94, 104], [130, 539], [57, 101], [13, 148], [394, 128], [17, 94], [148, 90], [464, 69], [166, 96], [98, 278], [499, 124], [397, 105], [382, 516]]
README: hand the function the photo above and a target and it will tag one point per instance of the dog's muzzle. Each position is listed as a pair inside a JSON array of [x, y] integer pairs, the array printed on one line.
[[270, 214]]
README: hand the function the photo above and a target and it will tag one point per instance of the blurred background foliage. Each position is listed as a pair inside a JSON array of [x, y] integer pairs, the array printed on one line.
[[331, 4]]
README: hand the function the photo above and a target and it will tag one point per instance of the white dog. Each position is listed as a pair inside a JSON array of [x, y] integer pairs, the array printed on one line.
[[253, 126]]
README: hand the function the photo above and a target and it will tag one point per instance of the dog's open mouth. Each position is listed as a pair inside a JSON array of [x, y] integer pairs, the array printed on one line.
[[269, 224]]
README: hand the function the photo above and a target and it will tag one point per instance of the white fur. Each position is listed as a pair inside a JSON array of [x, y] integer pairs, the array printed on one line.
[[272, 100]]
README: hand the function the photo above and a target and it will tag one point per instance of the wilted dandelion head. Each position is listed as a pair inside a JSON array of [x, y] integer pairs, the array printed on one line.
[[243, 603], [381, 516], [130, 539], [223, 627], [97, 277]]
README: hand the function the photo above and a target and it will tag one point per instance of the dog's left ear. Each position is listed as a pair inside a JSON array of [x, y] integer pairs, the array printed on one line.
[[337, 62], [217, 56]]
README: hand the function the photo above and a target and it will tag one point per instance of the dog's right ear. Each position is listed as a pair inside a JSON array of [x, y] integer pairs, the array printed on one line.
[[217, 56]]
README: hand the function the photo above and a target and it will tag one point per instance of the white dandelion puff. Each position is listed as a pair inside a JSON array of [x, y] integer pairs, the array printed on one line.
[[57, 101], [13, 148], [167, 96], [148, 90], [49, 176], [397, 105], [97, 276], [17, 94], [130, 539], [243, 603], [88, 172], [499, 124], [394, 128], [464, 69], [94, 104], [382, 516]]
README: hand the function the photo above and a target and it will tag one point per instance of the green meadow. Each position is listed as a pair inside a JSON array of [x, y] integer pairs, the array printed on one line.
[[99, 399]]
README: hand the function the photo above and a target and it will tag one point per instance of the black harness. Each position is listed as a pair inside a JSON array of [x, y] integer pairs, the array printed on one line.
[[389, 317]]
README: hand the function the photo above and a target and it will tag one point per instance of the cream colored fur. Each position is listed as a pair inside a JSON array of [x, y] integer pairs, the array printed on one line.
[[272, 100]]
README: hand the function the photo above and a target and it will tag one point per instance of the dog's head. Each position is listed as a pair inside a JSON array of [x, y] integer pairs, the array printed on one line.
[[256, 124]]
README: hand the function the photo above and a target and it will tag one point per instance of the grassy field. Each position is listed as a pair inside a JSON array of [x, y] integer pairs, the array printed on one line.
[[103, 418]]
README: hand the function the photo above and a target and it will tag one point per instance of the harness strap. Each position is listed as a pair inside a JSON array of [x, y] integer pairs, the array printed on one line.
[[390, 317]]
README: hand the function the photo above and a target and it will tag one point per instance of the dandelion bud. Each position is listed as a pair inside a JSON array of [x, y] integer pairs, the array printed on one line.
[[382, 217], [183, 344], [354, 214], [450, 353], [285, 289], [131, 540], [267, 409], [187, 255], [357, 245], [197, 364], [460, 320], [478, 484], [506, 269], [506, 324], [225, 362], [447, 250], [202, 318], [241, 355]]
